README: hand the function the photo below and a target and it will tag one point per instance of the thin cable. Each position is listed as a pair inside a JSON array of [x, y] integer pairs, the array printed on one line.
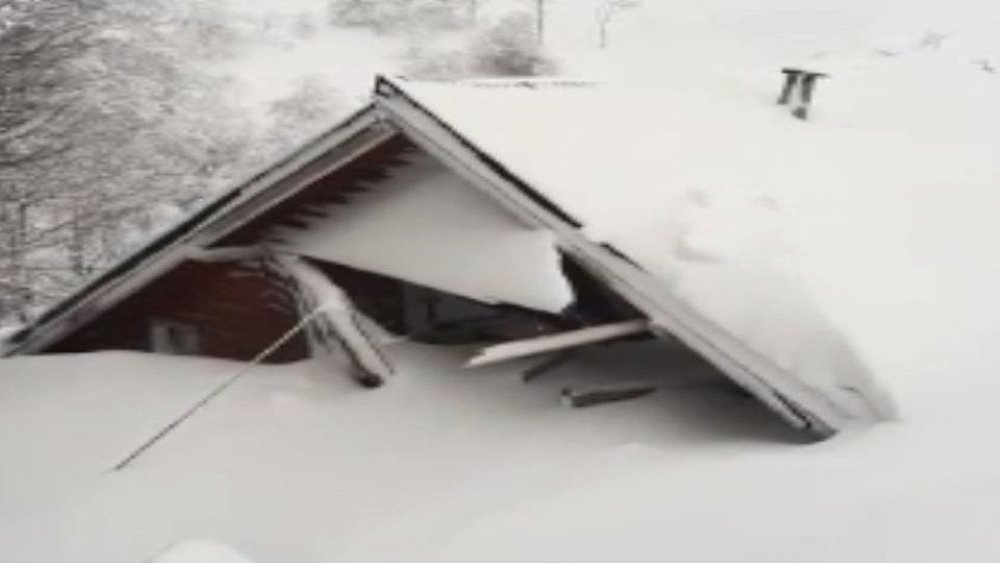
[[217, 391]]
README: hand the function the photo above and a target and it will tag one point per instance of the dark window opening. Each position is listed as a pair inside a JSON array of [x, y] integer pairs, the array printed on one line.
[[168, 337], [432, 316]]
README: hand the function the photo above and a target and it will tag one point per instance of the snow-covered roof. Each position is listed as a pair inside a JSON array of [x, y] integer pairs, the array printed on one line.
[[793, 241], [694, 187]]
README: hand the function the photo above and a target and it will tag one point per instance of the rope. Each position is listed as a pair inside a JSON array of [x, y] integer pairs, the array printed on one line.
[[221, 388]]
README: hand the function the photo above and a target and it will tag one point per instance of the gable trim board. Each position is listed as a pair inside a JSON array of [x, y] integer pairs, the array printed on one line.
[[392, 111]]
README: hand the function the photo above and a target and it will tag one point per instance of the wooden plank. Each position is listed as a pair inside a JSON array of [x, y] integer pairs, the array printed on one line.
[[582, 399], [551, 363], [336, 324], [553, 342]]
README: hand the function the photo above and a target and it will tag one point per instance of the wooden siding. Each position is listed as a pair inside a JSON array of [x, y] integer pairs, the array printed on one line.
[[338, 187], [238, 310]]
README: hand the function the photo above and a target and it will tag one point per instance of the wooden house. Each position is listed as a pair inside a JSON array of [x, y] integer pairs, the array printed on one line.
[[401, 215]]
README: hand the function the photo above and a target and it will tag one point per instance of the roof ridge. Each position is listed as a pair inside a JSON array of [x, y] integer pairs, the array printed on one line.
[[529, 82]]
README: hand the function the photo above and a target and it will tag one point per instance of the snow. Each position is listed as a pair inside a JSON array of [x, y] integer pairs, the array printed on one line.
[[878, 215], [428, 226], [201, 551], [295, 43], [759, 221], [333, 318], [299, 463], [444, 464], [345, 59]]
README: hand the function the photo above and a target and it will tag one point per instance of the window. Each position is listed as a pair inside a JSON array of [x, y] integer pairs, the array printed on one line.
[[169, 337]]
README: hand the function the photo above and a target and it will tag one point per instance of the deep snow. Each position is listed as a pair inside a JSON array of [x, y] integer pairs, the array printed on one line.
[[445, 464], [297, 463], [200, 551]]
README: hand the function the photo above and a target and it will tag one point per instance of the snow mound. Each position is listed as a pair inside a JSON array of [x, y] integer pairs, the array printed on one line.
[[201, 551], [297, 463]]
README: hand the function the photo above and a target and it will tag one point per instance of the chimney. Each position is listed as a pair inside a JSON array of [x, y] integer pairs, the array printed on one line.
[[798, 90]]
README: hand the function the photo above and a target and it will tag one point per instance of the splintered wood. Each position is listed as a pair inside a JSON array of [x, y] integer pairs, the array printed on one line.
[[336, 325], [588, 398]]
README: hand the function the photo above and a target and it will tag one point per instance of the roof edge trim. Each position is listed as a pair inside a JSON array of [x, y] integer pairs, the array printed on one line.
[[386, 88]]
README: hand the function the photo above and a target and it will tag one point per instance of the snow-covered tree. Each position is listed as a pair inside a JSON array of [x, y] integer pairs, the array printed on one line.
[[105, 127], [393, 15], [311, 106], [40, 73], [207, 30], [509, 48]]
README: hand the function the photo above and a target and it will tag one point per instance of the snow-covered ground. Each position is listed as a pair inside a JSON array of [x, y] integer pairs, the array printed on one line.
[[297, 463], [446, 465]]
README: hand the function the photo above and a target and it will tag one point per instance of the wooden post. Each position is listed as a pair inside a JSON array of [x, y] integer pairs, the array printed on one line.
[[802, 83], [791, 81], [582, 399], [551, 363], [336, 324], [808, 85]]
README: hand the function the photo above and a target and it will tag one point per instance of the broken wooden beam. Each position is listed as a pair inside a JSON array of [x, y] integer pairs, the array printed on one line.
[[547, 365], [582, 399], [336, 324], [554, 342]]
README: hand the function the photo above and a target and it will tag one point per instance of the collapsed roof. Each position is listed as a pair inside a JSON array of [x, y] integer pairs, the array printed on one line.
[[634, 186]]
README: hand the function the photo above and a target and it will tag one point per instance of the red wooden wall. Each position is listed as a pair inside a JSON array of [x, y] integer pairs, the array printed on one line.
[[238, 309]]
